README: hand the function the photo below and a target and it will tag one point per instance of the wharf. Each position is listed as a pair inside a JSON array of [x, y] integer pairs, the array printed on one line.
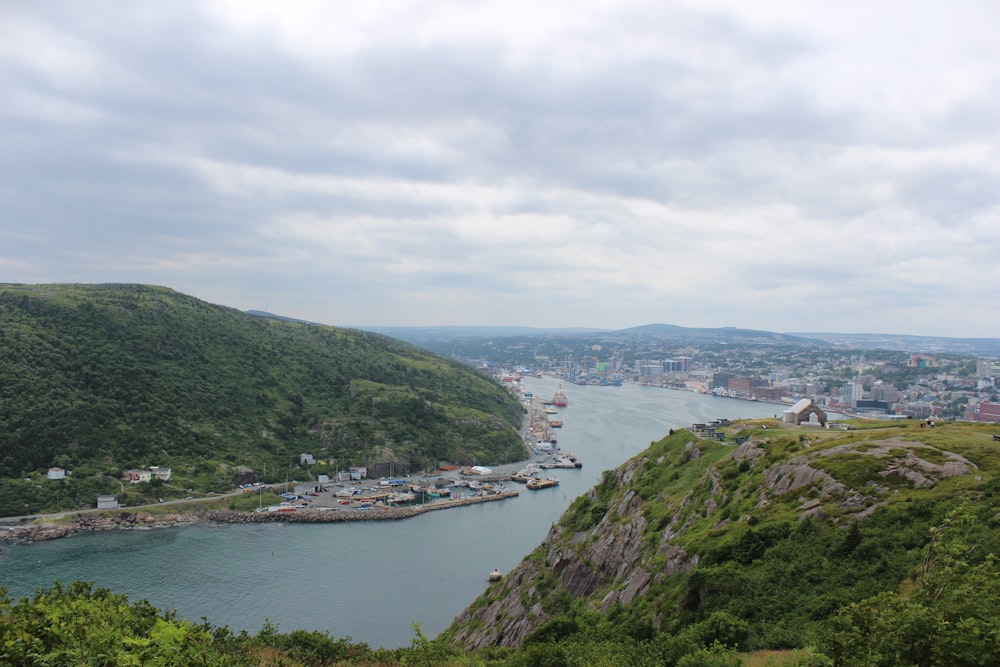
[[340, 515]]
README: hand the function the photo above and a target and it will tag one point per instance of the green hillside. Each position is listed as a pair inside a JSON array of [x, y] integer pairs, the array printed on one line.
[[877, 544], [799, 548], [101, 378]]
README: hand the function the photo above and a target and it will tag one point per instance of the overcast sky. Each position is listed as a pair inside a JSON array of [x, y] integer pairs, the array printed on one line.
[[789, 166]]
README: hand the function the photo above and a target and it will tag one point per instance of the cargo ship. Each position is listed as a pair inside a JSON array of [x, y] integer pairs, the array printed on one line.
[[559, 399]]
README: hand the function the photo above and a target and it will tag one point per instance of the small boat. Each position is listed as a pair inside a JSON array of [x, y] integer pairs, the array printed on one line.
[[556, 424], [495, 575], [548, 482], [551, 411]]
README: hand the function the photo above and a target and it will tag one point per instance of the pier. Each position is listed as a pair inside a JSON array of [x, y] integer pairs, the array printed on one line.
[[334, 515]]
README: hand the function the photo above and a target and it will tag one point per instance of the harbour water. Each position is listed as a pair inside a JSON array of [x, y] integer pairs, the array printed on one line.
[[369, 581]]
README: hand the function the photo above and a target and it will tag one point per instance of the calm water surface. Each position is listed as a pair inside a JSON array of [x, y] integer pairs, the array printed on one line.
[[369, 581]]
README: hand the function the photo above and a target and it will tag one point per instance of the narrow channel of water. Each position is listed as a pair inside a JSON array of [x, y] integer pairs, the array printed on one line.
[[369, 581]]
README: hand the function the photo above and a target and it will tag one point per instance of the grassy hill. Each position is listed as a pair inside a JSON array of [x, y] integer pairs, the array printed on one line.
[[100, 378], [869, 543]]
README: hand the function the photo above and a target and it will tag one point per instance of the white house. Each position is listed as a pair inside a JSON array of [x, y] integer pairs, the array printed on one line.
[[107, 503], [56, 473], [136, 476]]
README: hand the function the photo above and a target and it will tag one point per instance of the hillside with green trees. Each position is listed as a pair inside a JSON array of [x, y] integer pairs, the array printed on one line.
[[875, 547], [97, 379]]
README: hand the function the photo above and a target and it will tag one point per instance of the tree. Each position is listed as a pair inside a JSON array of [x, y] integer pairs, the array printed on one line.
[[952, 618]]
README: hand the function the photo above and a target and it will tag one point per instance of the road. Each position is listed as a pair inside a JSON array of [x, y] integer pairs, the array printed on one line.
[[180, 501]]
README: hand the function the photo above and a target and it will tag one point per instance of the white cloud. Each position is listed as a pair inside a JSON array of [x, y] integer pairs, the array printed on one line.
[[763, 164]]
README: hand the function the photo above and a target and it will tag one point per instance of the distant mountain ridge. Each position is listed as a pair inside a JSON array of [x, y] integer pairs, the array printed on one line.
[[987, 347]]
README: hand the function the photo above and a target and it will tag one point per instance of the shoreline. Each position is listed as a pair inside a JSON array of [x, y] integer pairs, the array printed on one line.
[[44, 532], [534, 427]]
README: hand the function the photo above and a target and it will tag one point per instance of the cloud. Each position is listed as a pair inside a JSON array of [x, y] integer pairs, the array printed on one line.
[[603, 164]]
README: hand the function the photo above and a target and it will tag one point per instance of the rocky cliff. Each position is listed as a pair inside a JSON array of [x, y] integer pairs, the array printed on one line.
[[692, 528]]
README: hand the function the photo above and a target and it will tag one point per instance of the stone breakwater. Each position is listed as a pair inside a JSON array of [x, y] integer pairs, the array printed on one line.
[[42, 532], [340, 515]]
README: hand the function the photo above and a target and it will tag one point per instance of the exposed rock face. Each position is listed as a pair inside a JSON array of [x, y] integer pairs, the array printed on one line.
[[782, 479], [639, 541], [901, 459], [610, 561]]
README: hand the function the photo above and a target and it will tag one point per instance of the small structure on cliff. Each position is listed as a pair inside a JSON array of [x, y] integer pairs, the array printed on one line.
[[807, 411]]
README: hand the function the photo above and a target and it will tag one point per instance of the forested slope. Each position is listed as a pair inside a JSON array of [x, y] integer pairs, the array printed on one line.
[[99, 378]]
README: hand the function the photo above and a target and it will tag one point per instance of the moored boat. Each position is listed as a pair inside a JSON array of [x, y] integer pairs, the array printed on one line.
[[548, 482], [559, 399]]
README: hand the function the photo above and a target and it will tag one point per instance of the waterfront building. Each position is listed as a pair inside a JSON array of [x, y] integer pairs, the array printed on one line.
[[107, 503]]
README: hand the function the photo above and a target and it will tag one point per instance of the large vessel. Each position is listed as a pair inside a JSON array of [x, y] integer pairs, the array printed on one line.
[[559, 399]]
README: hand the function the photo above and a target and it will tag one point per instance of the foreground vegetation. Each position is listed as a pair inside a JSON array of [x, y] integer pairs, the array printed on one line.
[[696, 545], [102, 378], [911, 579], [947, 616]]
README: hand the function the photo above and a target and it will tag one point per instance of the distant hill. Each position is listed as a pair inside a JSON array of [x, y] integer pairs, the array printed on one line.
[[433, 336], [421, 335], [718, 334], [99, 378], [765, 544], [983, 347]]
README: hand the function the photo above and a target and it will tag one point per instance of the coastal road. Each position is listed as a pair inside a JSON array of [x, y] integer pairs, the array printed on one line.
[[180, 501]]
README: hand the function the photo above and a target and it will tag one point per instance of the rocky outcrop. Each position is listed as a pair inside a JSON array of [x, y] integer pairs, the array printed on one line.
[[41, 532], [655, 504], [611, 562], [785, 478]]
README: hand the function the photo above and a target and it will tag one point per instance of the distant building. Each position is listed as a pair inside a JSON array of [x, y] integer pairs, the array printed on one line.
[[307, 459], [358, 473], [987, 412], [107, 503], [137, 476], [885, 392], [921, 361], [143, 476], [56, 473], [651, 370]]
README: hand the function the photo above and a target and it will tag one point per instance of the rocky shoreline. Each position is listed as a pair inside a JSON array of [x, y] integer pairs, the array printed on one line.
[[43, 532]]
